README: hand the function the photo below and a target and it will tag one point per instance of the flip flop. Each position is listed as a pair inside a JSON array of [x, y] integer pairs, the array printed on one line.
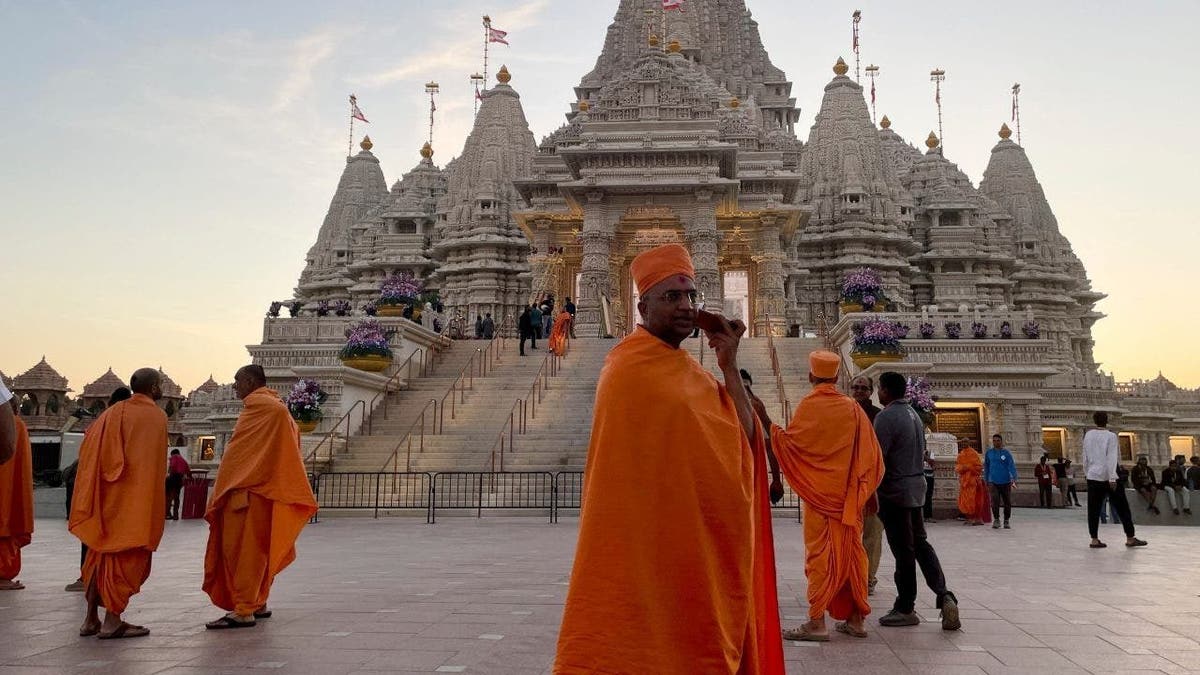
[[1098, 545], [801, 634], [264, 614], [125, 630], [227, 622], [843, 627]]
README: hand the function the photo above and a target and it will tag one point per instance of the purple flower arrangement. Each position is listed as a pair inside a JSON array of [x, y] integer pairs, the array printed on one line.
[[926, 329], [367, 338], [400, 288], [304, 400], [1006, 331], [341, 308], [920, 396], [902, 331], [863, 286], [370, 308], [1031, 330], [953, 330], [273, 310], [294, 308], [323, 308], [876, 336], [978, 330]]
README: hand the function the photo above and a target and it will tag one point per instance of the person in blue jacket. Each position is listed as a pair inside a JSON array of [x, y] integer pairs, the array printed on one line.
[[1000, 472]]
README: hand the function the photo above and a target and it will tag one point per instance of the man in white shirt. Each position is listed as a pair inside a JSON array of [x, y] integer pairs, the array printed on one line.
[[8, 426], [1100, 455]]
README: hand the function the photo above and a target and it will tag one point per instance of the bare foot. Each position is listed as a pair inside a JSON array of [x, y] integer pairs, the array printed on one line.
[[90, 627]]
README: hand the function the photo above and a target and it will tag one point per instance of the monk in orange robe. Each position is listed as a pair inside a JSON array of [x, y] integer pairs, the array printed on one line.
[[969, 467], [261, 502], [119, 503], [830, 456], [16, 505], [674, 569], [558, 333]]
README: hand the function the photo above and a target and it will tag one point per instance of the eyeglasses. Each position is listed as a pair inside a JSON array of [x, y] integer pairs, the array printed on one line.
[[675, 297]]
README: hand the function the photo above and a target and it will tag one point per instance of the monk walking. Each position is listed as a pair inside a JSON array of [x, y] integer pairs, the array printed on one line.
[[16, 505], [261, 502], [830, 457], [969, 467], [674, 569], [559, 332], [118, 503]]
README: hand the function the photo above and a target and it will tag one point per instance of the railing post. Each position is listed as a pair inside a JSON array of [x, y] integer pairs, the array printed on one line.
[[378, 478], [479, 511]]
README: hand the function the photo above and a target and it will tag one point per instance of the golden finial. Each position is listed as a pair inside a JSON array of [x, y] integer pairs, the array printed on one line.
[[653, 40], [674, 47], [840, 68], [366, 143], [427, 151], [1005, 132], [885, 122], [503, 76], [932, 142], [584, 106], [734, 102]]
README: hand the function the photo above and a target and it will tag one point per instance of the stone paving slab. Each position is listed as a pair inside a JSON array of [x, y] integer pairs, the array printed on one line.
[[485, 596]]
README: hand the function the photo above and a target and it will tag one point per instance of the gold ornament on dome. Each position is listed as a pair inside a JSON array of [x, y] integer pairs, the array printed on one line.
[[503, 76], [1005, 132], [885, 122], [427, 151], [653, 40], [584, 106], [932, 142], [734, 102], [674, 47], [366, 143], [840, 68]]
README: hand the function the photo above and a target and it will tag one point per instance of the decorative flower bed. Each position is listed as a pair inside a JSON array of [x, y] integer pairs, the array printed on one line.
[[862, 290], [953, 330], [1006, 331], [876, 340], [398, 291], [1031, 330], [304, 403], [979, 330], [920, 396], [367, 346]]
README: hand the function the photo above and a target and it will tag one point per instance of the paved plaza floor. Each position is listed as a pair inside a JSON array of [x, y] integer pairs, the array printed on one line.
[[485, 596]]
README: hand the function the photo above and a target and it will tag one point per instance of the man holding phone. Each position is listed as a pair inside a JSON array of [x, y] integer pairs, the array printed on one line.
[[674, 568]]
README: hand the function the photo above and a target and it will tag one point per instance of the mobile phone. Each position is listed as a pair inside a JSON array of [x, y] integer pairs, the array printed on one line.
[[709, 322]]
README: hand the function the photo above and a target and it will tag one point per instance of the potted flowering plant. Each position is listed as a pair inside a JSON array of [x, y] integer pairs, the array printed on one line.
[[953, 329], [978, 330], [875, 340], [304, 403], [926, 329], [367, 346], [273, 310], [862, 290], [920, 396], [323, 308], [1031, 330], [370, 308], [398, 291], [1006, 331], [341, 308], [294, 308]]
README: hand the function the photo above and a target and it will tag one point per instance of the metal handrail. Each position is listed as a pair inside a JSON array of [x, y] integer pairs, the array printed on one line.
[[333, 430], [784, 404], [407, 437], [394, 380], [527, 407]]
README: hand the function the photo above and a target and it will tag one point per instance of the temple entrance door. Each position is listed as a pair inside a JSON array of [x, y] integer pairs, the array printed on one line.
[[737, 295]]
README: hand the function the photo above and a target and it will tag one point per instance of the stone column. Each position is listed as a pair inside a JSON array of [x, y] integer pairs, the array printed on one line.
[[769, 299], [704, 243], [596, 238]]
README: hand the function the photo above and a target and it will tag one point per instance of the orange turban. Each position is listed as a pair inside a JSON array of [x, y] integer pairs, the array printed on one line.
[[655, 265], [823, 364]]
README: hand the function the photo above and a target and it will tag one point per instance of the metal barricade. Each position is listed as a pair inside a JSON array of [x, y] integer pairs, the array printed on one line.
[[481, 490]]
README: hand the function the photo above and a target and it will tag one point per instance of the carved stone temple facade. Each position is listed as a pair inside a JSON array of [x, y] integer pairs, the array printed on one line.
[[685, 131]]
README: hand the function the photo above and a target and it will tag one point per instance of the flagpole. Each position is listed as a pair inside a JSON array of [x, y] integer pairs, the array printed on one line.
[[1016, 109], [855, 19], [937, 75], [487, 24], [872, 72], [477, 79], [350, 142], [431, 88]]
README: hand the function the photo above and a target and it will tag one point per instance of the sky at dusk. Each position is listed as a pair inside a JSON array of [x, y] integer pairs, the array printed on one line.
[[167, 165]]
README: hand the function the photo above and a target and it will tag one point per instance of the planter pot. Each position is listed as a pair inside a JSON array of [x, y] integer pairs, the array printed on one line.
[[865, 360], [307, 427], [372, 363], [848, 307], [390, 310]]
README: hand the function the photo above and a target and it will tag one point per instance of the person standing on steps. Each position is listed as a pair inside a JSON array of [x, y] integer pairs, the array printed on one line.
[[489, 326], [1100, 454], [535, 322], [901, 496], [1000, 472], [525, 329], [569, 308]]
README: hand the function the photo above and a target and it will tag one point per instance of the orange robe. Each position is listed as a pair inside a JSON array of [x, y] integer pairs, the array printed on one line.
[[16, 504], [969, 468], [674, 568], [119, 500], [830, 456], [261, 502], [558, 333]]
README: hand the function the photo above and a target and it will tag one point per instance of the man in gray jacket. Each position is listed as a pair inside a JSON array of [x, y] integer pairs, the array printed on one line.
[[901, 496]]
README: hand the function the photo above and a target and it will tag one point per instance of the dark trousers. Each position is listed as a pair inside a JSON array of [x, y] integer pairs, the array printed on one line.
[[1072, 494], [905, 528], [532, 341], [1001, 493], [927, 510], [1045, 495], [174, 487], [1097, 490]]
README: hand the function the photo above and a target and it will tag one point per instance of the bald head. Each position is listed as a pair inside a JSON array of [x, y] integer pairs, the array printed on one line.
[[147, 381], [249, 378]]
